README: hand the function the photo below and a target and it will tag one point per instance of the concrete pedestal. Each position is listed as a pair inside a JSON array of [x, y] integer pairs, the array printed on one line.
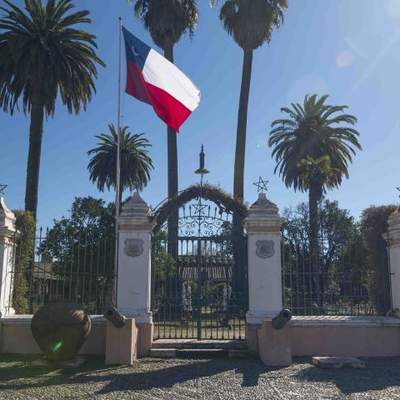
[[121, 344], [252, 338], [274, 345], [144, 339]]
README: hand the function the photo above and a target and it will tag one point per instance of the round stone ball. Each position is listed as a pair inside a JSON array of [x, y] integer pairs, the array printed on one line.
[[60, 330]]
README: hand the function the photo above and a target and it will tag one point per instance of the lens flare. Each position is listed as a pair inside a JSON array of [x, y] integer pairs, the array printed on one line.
[[57, 347], [345, 59], [392, 8]]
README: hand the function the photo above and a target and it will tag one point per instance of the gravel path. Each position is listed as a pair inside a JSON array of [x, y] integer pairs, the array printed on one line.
[[198, 379]]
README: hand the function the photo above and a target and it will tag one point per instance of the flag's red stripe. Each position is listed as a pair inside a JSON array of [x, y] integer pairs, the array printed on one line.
[[169, 109]]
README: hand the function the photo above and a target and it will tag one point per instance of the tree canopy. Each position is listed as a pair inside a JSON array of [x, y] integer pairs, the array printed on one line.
[[90, 223], [135, 160], [167, 20], [338, 230], [43, 53], [313, 131], [251, 23]]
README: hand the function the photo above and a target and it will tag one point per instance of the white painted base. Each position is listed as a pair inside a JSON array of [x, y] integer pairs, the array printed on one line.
[[140, 316], [257, 317]]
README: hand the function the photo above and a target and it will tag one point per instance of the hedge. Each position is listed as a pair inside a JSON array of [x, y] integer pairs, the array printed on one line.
[[24, 255]]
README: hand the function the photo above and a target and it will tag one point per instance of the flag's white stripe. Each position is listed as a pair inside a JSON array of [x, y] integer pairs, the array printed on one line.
[[159, 72]]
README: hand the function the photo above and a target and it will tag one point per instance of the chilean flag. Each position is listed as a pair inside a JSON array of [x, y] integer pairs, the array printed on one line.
[[152, 79]]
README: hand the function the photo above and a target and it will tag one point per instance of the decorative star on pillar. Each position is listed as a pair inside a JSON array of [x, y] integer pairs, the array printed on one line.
[[2, 189], [261, 185]]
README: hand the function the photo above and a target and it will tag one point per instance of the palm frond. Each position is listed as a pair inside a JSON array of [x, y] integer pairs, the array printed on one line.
[[167, 20], [136, 163], [315, 145], [251, 23], [43, 54]]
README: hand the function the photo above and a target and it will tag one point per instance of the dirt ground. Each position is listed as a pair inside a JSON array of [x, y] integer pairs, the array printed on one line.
[[181, 379]]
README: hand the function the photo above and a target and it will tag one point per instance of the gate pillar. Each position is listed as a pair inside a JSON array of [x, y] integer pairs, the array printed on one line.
[[134, 268], [393, 240], [7, 252], [263, 225]]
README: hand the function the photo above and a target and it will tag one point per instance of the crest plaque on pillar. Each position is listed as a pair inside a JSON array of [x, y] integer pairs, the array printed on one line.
[[133, 247], [265, 248]]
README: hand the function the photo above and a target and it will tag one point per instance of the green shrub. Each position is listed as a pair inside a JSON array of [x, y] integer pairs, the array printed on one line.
[[24, 254]]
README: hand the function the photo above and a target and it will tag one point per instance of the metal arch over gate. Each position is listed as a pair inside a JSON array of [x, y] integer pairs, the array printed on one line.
[[202, 292]]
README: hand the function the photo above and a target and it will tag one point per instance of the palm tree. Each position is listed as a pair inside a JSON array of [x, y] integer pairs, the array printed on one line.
[[250, 23], [43, 55], [167, 21], [136, 163], [313, 148], [317, 174]]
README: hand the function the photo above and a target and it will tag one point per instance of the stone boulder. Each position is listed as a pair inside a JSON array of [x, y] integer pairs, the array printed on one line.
[[60, 330]]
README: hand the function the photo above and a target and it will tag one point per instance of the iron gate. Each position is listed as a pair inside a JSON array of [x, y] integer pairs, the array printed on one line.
[[201, 293]]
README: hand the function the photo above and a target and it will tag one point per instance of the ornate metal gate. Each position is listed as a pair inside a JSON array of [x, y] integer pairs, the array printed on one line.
[[201, 293]]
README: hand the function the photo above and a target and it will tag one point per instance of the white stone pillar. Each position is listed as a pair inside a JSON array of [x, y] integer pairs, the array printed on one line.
[[264, 261], [7, 258], [134, 268], [134, 260], [393, 240]]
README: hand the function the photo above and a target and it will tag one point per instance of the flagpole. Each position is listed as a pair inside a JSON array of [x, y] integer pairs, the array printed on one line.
[[118, 167], [118, 183]]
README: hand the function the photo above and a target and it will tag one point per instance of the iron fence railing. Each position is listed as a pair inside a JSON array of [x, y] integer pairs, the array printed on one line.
[[78, 269], [342, 285]]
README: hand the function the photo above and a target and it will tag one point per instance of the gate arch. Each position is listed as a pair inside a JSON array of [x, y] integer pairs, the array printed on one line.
[[201, 293], [209, 192]]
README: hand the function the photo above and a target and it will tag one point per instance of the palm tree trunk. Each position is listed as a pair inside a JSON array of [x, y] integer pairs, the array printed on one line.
[[238, 181], [35, 147], [172, 175], [314, 243], [121, 190]]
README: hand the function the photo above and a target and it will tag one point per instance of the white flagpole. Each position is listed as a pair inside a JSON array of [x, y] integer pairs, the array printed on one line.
[[118, 167]]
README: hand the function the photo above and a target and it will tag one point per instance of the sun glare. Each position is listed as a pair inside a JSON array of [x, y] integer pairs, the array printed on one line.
[[345, 59], [392, 8]]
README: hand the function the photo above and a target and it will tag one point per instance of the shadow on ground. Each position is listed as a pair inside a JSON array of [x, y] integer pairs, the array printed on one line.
[[18, 373], [379, 375]]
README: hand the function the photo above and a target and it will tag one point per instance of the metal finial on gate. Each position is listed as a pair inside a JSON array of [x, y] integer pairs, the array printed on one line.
[[2, 189], [202, 170], [261, 185]]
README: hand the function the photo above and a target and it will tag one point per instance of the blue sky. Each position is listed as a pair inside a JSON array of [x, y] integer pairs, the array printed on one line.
[[348, 49]]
